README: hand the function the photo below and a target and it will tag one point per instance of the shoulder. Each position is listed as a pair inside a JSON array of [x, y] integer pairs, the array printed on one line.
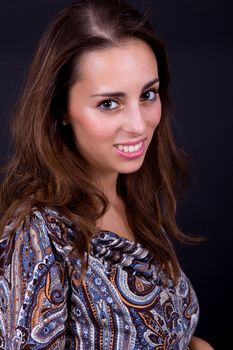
[[42, 233], [58, 228], [44, 220]]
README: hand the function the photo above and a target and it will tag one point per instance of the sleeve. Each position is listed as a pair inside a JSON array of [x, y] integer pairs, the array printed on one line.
[[33, 290]]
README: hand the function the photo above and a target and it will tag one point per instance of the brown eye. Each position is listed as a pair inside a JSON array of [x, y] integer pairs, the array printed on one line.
[[108, 105], [149, 95]]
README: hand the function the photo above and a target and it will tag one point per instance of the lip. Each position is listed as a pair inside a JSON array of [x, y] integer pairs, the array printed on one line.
[[130, 143], [131, 155]]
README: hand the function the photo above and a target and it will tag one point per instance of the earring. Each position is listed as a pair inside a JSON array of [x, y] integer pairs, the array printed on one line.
[[65, 122]]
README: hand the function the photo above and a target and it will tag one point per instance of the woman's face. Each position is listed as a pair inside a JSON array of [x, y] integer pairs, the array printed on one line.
[[114, 107]]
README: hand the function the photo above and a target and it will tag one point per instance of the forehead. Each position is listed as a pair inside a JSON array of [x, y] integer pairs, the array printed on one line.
[[132, 59]]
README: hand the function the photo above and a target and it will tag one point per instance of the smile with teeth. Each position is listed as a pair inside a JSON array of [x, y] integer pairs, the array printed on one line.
[[130, 148]]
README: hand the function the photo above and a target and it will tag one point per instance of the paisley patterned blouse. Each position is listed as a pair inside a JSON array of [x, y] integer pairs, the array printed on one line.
[[120, 305]]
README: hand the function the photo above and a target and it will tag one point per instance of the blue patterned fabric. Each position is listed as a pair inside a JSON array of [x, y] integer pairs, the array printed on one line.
[[120, 305]]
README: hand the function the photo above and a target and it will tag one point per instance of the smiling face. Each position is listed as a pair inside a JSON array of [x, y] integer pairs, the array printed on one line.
[[114, 107]]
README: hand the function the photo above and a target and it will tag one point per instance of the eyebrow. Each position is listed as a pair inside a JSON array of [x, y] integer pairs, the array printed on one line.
[[122, 94]]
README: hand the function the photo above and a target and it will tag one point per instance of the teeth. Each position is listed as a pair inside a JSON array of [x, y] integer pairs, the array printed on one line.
[[130, 148]]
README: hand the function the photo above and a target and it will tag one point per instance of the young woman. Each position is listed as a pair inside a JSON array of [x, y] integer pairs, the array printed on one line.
[[88, 202]]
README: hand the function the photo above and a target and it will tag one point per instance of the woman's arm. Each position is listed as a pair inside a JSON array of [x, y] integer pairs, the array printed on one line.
[[33, 290], [197, 343]]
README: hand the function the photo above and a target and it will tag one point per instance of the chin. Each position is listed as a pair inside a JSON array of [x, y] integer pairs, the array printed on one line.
[[130, 169]]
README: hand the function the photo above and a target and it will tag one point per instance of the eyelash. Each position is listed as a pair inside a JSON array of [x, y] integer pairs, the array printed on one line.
[[155, 91]]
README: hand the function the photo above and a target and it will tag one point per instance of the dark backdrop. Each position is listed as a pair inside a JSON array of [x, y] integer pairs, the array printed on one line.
[[198, 36]]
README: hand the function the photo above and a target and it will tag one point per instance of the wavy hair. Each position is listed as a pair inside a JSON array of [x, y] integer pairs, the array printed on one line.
[[46, 169]]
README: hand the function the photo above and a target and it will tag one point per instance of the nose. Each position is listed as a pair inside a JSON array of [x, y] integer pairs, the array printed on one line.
[[134, 121]]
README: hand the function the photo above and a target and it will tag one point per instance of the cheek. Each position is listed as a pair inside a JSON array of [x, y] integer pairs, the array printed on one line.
[[88, 128], [155, 115]]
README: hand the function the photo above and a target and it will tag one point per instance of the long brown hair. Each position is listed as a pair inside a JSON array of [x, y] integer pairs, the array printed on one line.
[[46, 170]]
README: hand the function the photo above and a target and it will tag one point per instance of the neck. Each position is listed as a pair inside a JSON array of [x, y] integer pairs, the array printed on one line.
[[115, 218], [108, 184]]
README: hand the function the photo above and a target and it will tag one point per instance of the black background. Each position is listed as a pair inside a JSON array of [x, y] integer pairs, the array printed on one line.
[[198, 37]]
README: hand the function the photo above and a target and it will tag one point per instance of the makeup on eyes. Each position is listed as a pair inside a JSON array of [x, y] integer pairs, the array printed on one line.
[[154, 90]]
